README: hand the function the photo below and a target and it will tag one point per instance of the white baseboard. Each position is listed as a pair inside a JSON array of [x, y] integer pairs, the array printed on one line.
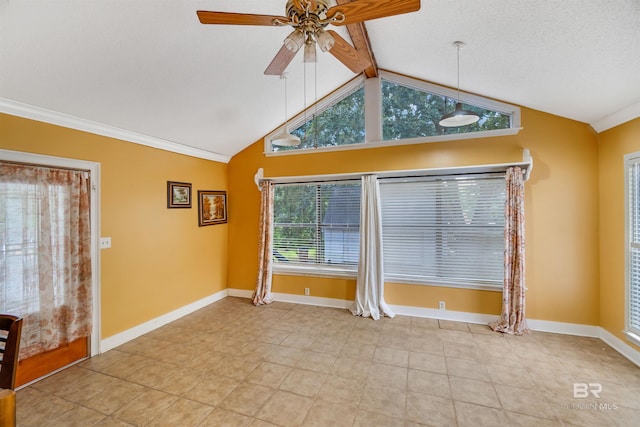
[[434, 313], [144, 328], [620, 346], [564, 328], [309, 300], [240, 293], [297, 299]]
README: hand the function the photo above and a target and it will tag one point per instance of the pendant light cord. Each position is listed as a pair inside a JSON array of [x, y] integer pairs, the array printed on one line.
[[458, 46], [286, 116], [315, 105], [304, 96]]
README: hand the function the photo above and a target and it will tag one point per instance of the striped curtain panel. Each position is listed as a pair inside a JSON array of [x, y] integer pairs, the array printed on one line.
[[262, 294], [512, 319]]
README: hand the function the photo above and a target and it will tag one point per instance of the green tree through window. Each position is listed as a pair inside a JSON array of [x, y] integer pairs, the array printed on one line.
[[317, 223], [340, 124], [408, 109], [412, 113]]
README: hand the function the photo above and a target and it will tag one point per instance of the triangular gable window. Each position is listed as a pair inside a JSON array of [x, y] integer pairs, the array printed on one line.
[[392, 110]]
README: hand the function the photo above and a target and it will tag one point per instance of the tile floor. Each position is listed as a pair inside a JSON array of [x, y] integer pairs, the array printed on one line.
[[233, 364]]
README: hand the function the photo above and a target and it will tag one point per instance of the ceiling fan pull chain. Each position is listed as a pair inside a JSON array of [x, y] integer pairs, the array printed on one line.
[[315, 105]]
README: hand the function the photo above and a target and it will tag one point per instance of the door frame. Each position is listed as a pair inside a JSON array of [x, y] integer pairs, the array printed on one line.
[[94, 169]]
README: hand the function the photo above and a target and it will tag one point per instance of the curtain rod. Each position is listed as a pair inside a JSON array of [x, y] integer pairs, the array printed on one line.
[[526, 165]]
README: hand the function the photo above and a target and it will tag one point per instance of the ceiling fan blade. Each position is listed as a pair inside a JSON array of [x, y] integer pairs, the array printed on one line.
[[230, 18], [280, 62], [364, 10], [346, 54]]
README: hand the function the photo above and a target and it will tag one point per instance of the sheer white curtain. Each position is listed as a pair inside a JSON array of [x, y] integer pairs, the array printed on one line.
[[45, 254], [262, 294], [370, 283]]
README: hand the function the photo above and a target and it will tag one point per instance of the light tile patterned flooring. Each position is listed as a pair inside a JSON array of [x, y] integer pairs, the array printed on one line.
[[233, 364]]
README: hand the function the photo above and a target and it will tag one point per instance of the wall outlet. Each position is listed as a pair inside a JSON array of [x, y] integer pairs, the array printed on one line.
[[441, 305], [105, 242], [306, 291]]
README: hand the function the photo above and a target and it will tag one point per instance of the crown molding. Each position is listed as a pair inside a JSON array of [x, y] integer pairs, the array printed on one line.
[[619, 117], [27, 111]]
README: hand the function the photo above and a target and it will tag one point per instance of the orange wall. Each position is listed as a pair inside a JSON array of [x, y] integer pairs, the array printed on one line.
[[614, 144], [561, 209], [160, 259]]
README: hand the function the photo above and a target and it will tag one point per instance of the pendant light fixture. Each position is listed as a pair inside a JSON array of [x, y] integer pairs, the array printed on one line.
[[459, 117], [284, 138]]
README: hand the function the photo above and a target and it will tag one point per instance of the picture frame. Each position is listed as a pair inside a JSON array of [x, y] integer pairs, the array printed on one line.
[[212, 207], [178, 194]]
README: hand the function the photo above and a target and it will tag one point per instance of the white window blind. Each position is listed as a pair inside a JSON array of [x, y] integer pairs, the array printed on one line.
[[444, 230], [317, 223], [633, 247]]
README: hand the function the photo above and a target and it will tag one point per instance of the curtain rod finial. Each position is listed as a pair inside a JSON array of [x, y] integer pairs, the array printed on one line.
[[258, 177], [526, 157]]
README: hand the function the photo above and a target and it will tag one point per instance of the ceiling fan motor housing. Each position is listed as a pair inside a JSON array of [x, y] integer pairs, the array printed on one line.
[[299, 8]]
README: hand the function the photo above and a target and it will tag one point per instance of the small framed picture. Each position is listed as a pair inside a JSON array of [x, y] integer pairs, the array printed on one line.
[[178, 194], [212, 207]]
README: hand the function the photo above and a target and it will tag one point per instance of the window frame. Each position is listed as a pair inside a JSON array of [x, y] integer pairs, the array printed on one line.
[[444, 281], [338, 270], [373, 114], [526, 165], [630, 160]]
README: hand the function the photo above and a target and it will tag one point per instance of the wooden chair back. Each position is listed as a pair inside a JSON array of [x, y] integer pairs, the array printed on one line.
[[10, 329]]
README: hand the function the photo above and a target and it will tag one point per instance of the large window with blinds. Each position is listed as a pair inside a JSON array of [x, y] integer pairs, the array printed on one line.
[[437, 230], [444, 230], [632, 221], [317, 225]]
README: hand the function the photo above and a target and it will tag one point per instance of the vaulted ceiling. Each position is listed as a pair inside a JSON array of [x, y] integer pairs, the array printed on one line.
[[150, 68]]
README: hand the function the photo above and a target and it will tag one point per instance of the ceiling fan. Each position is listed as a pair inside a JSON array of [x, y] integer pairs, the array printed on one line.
[[309, 18]]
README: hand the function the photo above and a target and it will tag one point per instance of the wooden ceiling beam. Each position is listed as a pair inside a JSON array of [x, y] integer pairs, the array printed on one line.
[[361, 42]]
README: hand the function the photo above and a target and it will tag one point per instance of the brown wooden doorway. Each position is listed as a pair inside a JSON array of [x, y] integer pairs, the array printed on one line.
[[42, 364]]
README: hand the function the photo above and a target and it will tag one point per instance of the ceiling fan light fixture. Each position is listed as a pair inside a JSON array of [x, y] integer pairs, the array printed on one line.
[[294, 41], [325, 40], [309, 51], [459, 117]]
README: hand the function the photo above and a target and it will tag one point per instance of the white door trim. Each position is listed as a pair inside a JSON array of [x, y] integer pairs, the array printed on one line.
[[94, 170]]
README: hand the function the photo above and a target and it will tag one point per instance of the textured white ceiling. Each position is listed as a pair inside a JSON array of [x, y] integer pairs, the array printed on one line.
[[151, 68]]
